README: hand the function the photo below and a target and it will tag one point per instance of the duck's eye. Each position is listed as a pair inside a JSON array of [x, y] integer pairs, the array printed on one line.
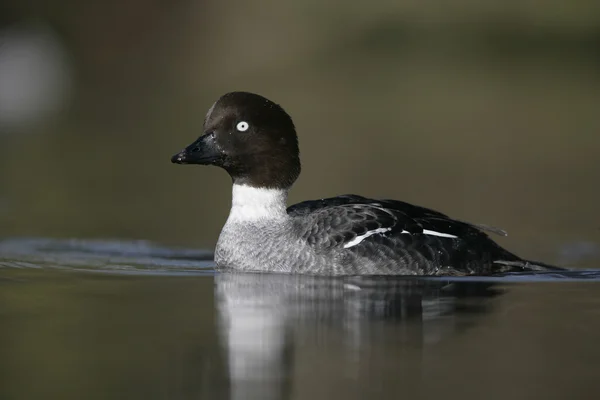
[[242, 126]]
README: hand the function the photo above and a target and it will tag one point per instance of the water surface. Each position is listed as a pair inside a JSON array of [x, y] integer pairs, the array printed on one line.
[[486, 111], [94, 319]]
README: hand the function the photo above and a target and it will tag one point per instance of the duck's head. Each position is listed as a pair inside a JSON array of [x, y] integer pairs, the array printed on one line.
[[250, 137]]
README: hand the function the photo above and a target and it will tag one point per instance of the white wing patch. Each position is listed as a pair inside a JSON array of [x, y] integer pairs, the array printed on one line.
[[440, 234], [432, 233], [362, 237]]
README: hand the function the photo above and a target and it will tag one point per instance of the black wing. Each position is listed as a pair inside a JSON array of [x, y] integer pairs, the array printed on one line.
[[402, 235], [350, 216]]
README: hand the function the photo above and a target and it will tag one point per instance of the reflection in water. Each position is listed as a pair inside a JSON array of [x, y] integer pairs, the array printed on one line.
[[266, 320], [115, 319]]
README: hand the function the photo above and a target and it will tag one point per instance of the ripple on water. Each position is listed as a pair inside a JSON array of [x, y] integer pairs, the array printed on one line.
[[107, 256], [146, 258]]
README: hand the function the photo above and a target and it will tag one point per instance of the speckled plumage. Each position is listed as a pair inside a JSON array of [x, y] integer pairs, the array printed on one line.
[[344, 235], [311, 238], [402, 247]]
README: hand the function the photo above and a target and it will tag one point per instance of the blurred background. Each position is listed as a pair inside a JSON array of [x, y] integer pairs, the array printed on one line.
[[485, 110]]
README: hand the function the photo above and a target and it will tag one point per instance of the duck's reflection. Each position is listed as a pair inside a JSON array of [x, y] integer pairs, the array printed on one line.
[[277, 327]]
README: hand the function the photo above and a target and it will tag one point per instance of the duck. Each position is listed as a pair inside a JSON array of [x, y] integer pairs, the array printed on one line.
[[255, 141]]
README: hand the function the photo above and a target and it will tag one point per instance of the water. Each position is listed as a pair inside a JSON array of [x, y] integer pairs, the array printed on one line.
[[94, 319], [486, 111]]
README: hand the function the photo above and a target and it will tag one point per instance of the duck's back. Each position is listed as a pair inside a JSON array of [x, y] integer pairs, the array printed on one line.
[[366, 236]]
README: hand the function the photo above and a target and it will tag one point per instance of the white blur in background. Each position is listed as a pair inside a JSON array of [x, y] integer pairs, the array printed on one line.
[[35, 76]]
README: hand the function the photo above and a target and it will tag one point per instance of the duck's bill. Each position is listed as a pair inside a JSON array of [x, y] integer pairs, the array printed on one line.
[[203, 151]]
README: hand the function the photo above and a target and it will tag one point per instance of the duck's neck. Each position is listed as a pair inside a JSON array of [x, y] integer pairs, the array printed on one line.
[[250, 204]]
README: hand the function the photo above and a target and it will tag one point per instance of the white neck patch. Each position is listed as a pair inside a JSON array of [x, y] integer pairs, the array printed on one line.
[[250, 204]]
